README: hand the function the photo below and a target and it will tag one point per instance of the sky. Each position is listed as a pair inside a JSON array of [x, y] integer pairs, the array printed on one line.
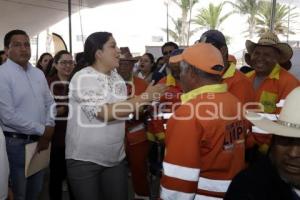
[[134, 24]]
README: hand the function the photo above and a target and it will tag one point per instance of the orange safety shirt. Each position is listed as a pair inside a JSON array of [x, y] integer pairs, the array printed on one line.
[[274, 88], [169, 102], [204, 145], [135, 130], [239, 85]]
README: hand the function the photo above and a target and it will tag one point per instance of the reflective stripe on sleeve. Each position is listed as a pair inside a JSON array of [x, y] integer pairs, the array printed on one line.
[[202, 197], [165, 115], [280, 103], [183, 173], [167, 194], [136, 128], [272, 117], [213, 185], [255, 129]]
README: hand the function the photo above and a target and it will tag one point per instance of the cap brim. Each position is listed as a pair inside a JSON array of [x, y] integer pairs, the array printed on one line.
[[272, 127], [176, 59]]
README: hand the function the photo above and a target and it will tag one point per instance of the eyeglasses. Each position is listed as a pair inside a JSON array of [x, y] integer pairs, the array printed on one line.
[[66, 62]]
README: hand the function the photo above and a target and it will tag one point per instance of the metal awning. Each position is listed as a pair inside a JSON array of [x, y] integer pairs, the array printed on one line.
[[33, 16]]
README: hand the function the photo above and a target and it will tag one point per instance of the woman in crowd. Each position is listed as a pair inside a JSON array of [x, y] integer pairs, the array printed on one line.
[[146, 67], [96, 127], [43, 62], [63, 66]]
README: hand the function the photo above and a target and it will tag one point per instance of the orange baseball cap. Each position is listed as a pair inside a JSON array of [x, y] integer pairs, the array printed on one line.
[[203, 56]]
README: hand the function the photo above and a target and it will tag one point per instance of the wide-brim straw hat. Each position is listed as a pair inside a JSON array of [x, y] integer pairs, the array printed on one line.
[[288, 123], [270, 39]]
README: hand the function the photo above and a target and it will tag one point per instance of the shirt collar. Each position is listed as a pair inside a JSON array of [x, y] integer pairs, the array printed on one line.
[[273, 75], [230, 71], [171, 81], [17, 66], [275, 72], [216, 88]]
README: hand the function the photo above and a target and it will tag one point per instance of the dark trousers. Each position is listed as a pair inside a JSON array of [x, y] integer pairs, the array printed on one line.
[[90, 181], [58, 173]]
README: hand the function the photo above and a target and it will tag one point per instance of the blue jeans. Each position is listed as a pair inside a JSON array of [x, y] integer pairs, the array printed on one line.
[[23, 188]]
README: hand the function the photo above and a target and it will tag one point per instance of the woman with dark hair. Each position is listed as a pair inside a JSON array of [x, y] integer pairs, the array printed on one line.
[[96, 127], [63, 66], [43, 62], [146, 67]]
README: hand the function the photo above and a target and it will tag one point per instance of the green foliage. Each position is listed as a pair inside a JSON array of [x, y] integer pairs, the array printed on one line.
[[282, 12], [250, 9], [183, 22], [211, 17]]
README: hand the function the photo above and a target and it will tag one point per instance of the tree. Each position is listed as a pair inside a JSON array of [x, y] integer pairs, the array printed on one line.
[[177, 34], [186, 7], [249, 8], [283, 14], [211, 18]]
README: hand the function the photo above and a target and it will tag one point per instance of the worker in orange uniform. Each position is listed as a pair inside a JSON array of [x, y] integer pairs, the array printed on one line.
[[238, 84], [271, 82], [205, 136], [156, 125], [137, 145], [168, 102]]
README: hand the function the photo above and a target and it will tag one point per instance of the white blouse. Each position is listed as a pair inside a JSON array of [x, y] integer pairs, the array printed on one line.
[[88, 138]]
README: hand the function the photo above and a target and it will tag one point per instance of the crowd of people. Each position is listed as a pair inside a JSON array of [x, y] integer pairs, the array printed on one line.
[[187, 125]]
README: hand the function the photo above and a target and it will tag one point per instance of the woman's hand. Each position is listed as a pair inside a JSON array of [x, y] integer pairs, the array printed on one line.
[[154, 92]]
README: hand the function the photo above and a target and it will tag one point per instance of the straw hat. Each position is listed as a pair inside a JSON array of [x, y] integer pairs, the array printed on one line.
[[270, 39], [288, 123], [126, 55]]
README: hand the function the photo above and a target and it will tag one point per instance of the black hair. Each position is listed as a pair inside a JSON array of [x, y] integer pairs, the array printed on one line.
[[50, 70], [10, 34], [38, 65], [173, 44], [79, 59], [58, 55], [94, 42], [152, 60], [287, 65], [158, 59], [2, 52]]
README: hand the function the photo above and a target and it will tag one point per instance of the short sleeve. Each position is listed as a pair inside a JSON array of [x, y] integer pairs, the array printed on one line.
[[90, 91]]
